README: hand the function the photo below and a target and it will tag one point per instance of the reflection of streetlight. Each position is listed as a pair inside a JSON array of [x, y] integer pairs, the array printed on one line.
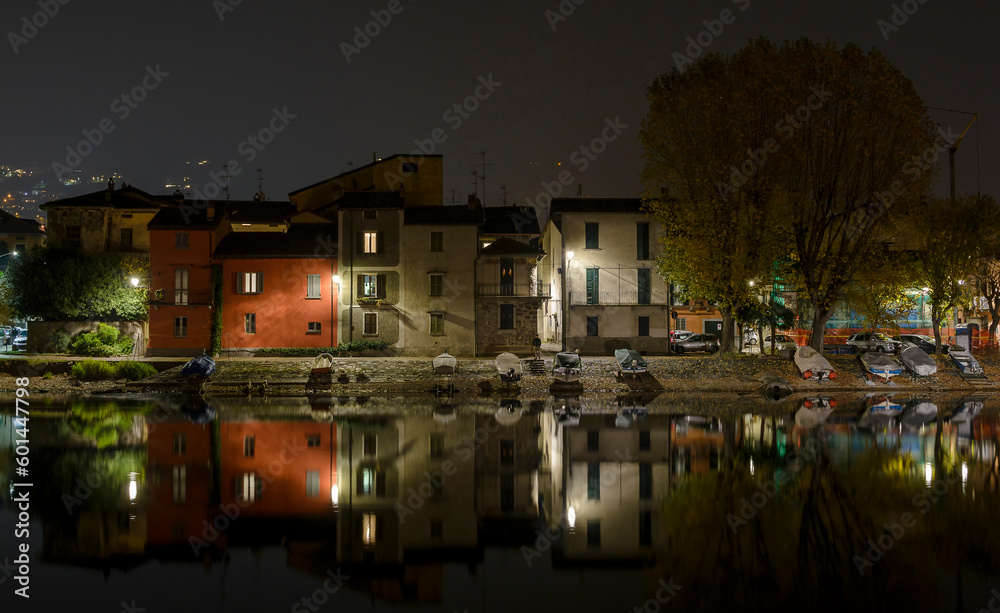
[[133, 486]]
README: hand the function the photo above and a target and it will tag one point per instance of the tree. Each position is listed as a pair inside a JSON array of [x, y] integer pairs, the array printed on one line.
[[805, 141], [950, 238], [57, 284], [707, 178], [987, 277], [880, 294]]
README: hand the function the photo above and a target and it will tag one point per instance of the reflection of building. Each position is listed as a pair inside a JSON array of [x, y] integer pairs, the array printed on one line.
[[698, 446], [507, 465]]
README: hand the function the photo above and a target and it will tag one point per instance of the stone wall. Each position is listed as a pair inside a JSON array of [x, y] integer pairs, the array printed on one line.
[[490, 339]]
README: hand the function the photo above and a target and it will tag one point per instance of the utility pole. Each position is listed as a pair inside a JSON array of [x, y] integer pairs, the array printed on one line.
[[503, 190], [475, 182], [260, 182]]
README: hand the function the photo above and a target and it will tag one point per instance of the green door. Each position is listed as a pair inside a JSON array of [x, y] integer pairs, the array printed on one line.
[[593, 287]]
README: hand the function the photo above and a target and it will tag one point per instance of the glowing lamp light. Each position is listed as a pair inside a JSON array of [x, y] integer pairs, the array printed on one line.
[[135, 281], [569, 255], [336, 279], [571, 517]]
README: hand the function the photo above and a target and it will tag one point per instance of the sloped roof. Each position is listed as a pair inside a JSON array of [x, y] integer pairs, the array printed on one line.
[[442, 215], [364, 200], [507, 246], [126, 197], [10, 224], [193, 214], [510, 220], [361, 168], [595, 205], [300, 241]]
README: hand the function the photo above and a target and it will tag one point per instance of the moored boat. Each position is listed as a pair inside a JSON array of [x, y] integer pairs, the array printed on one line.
[[879, 365], [812, 364], [566, 367], [508, 366], [444, 364], [917, 360], [965, 362], [322, 364], [629, 362]]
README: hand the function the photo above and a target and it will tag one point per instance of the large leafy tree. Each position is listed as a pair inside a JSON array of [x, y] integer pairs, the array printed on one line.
[[881, 293], [59, 284], [800, 149]]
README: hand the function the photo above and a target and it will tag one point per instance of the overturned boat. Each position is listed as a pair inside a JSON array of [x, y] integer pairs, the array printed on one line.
[[917, 360], [566, 367], [812, 364], [965, 362], [444, 364], [508, 366], [629, 362], [878, 365], [200, 367]]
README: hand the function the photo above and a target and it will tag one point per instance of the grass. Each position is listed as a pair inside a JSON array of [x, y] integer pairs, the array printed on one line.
[[98, 370]]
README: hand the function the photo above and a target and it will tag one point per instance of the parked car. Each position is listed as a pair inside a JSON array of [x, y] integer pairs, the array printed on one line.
[[21, 341], [874, 341], [696, 342], [781, 343], [679, 335], [923, 341]]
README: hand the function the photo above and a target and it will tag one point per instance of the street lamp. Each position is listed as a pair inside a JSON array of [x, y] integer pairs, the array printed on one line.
[[135, 281]]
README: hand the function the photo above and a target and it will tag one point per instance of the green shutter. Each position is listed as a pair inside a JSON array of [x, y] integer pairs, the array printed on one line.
[[644, 285], [593, 286], [642, 240]]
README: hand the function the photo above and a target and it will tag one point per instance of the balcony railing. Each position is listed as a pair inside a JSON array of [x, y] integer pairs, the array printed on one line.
[[181, 298], [517, 290], [610, 299]]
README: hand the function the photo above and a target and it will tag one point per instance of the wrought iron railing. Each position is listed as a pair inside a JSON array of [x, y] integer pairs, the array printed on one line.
[[523, 290]]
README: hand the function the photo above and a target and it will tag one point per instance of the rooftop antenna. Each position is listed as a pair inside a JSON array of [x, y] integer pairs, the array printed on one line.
[[225, 168], [453, 201], [260, 180], [482, 164], [475, 182], [503, 191]]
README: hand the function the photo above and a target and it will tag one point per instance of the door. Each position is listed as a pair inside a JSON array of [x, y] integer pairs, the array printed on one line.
[[506, 276], [713, 327]]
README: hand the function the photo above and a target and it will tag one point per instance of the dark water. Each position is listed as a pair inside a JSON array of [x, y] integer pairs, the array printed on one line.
[[621, 504]]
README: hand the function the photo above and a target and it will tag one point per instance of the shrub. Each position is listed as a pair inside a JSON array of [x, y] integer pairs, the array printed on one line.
[[60, 341], [105, 342], [93, 370], [48, 375], [133, 371]]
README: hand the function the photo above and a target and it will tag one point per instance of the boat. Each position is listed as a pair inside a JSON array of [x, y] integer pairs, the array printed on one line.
[[919, 414], [201, 367], [917, 360], [629, 362], [965, 362], [322, 364], [444, 364], [879, 365], [627, 417], [814, 412], [966, 411], [812, 364], [509, 412], [880, 413], [509, 367], [567, 410], [566, 367]]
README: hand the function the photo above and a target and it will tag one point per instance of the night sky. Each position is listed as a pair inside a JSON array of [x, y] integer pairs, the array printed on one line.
[[223, 70]]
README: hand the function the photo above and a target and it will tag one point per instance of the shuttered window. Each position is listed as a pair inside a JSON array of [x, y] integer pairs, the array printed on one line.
[[592, 237], [312, 286], [642, 240], [644, 282], [593, 285], [249, 282]]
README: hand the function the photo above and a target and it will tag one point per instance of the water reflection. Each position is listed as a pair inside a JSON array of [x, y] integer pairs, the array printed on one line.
[[593, 509]]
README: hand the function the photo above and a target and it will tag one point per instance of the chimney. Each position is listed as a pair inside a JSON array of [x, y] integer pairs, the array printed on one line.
[[473, 202]]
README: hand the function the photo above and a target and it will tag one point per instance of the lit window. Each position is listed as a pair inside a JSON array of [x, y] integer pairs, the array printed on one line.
[[370, 242], [249, 487], [180, 286], [368, 529], [372, 286], [312, 483], [312, 286]]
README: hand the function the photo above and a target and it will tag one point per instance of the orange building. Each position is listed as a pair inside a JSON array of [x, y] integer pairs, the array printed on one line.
[[278, 468]]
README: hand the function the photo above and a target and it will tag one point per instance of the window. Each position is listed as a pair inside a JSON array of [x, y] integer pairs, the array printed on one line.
[[371, 482], [437, 529], [506, 316], [369, 242], [369, 529], [593, 285], [370, 324], [437, 241], [250, 323], [437, 323], [180, 286], [437, 445], [593, 533], [371, 286], [73, 236], [592, 326], [645, 481], [180, 327], [437, 285], [180, 443], [644, 440], [409, 167], [180, 484], [249, 282], [181, 240], [642, 240], [312, 483], [315, 327], [644, 326], [370, 215], [592, 241], [593, 481], [249, 446], [507, 451], [125, 239], [644, 282], [645, 527], [370, 444], [312, 440], [593, 440], [682, 323], [249, 487], [312, 287], [20, 247]]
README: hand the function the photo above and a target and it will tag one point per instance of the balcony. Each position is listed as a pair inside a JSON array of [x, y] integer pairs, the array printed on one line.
[[610, 299], [180, 298], [516, 290]]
